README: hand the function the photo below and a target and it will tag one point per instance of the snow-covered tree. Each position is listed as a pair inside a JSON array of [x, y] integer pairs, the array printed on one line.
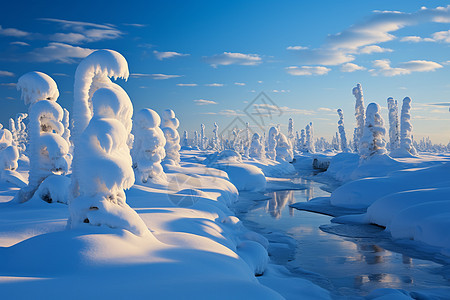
[[20, 134], [284, 151], [215, 139], [359, 114], [9, 153], [105, 166], [406, 142], [92, 73], [394, 126], [169, 126], [65, 122], [290, 135], [272, 143], [47, 149], [185, 140], [257, 147], [335, 143], [373, 141], [342, 136], [148, 148], [202, 137], [302, 141], [309, 141], [195, 142]]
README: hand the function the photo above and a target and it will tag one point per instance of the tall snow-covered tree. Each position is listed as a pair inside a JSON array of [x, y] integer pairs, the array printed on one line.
[[47, 149], [184, 140], [215, 139], [65, 122], [195, 142], [272, 143], [342, 136], [148, 148], [394, 126], [373, 139], [202, 137], [92, 73], [359, 114], [290, 135], [406, 142], [169, 126], [302, 141]]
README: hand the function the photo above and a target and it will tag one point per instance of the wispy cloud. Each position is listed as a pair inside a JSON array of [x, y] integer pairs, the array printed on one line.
[[230, 58], [59, 52], [18, 43], [269, 110], [214, 84], [154, 76], [83, 32], [204, 102], [374, 49], [135, 25], [296, 48], [239, 83], [6, 74], [9, 84], [13, 32], [307, 70], [415, 39], [169, 54], [351, 67], [442, 36], [187, 84], [383, 67], [227, 113]]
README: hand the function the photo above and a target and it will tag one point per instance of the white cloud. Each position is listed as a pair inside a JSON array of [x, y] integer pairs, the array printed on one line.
[[374, 49], [204, 102], [351, 67], [269, 110], [377, 28], [169, 54], [307, 70], [59, 52], [229, 58], [187, 84], [13, 32], [6, 74], [415, 39], [383, 67], [239, 83], [154, 76], [442, 36], [20, 43], [135, 25], [214, 84], [296, 48], [280, 91], [10, 84]]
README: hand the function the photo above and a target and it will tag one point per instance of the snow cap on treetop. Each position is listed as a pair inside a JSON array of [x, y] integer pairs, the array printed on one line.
[[109, 63], [147, 118], [37, 86]]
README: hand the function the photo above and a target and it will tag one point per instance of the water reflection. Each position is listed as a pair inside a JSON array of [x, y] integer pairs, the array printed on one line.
[[350, 266]]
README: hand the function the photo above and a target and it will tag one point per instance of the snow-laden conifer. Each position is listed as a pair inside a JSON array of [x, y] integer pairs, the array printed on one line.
[[272, 143], [169, 125], [373, 139], [359, 114], [257, 147]]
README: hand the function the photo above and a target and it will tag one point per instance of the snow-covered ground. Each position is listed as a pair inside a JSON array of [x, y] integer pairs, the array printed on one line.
[[197, 247]]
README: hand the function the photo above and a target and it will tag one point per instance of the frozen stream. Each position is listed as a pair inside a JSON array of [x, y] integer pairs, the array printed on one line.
[[344, 265]]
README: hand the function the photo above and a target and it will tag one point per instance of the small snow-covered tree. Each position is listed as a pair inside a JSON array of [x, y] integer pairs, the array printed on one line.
[[406, 141], [195, 142], [47, 149], [20, 136], [343, 138], [335, 143], [373, 141], [148, 148], [9, 153], [105, 166], [394, 134], [302, 141], [185, 139], [309, 141], [65, 122], [215, 139], [272, 143], [359, 114], [257, 147], [290, 135], [284, 151], [202, 137], [169, 126]]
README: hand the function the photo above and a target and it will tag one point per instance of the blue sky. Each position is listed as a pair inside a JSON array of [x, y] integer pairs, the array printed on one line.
[[208, 60]]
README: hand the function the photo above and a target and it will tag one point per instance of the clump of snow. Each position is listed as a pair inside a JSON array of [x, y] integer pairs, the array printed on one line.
[[169, 126], [148, 148], [36, 86], [53, 189]]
